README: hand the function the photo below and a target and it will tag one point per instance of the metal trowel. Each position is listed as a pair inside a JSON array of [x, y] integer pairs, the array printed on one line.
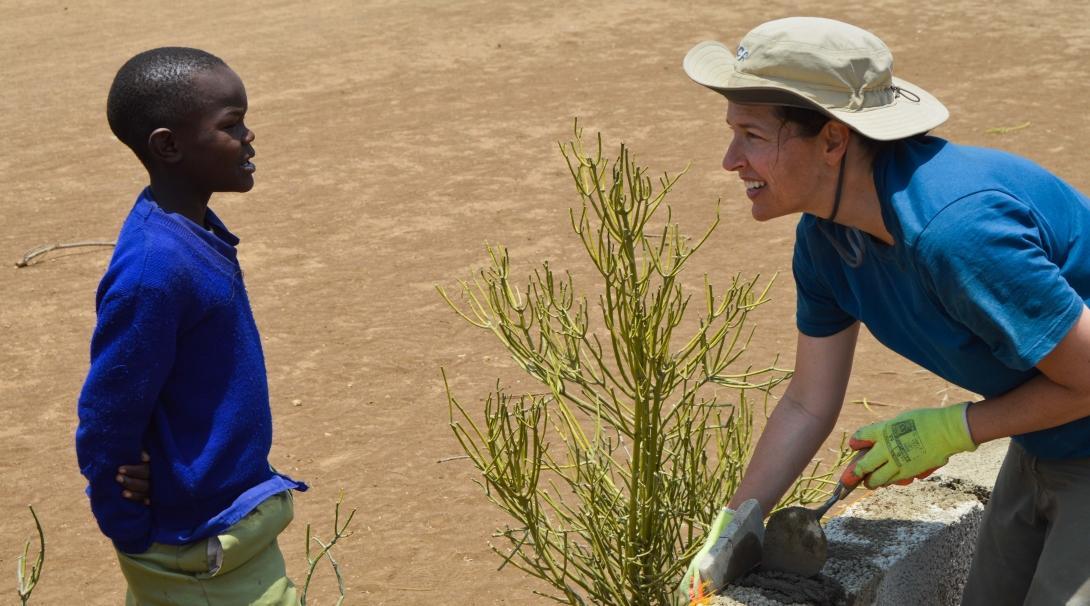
[[738, 549], [794, 540]]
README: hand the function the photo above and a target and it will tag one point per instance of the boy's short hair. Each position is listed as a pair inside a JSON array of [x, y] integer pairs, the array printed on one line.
[[152, 90]]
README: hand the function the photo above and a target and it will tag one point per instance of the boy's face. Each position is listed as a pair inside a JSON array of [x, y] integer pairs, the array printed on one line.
[[216, 145]]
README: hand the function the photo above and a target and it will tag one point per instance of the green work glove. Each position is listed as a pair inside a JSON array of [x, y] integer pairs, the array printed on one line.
[[911, 445], [691, 584]]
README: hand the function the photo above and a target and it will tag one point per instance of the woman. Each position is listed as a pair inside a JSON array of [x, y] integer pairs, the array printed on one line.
[[973, 263]]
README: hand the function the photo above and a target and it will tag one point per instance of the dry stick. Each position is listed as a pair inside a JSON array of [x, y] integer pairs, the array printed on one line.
[[36, 252], [455, 458]]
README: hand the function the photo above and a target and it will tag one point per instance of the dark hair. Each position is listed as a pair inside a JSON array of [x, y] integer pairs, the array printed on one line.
[[809, 122], [153, 90]]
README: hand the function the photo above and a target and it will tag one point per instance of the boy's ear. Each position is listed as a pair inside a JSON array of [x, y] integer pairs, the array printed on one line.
[[163, 146]]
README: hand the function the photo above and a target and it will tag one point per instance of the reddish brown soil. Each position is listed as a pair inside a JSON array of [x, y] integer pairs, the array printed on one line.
[[393, 140]]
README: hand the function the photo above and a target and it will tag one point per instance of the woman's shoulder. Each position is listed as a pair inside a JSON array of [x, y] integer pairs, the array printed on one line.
[[921, 178]]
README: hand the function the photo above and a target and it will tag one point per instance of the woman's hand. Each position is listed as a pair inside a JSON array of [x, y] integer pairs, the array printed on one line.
[[911, 445]]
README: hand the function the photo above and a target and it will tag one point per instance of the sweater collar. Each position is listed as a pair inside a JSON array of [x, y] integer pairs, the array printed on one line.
[[220, 238]]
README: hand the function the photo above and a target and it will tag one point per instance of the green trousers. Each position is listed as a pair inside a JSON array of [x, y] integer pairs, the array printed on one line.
[[242, 566], [1034, 543]]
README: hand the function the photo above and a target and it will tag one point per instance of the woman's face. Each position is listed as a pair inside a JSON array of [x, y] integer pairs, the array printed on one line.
[[781, 169]]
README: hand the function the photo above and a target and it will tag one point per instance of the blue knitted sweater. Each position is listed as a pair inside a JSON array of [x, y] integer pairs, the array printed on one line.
[[176, 370]]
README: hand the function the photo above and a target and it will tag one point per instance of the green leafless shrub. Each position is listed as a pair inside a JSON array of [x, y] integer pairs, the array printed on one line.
[[614, 471]]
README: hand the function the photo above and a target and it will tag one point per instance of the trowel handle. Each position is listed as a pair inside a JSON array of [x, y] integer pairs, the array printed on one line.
[[848, 470], [842, 490]]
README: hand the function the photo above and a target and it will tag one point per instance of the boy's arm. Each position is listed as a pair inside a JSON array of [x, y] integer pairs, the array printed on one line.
[[132, 352]]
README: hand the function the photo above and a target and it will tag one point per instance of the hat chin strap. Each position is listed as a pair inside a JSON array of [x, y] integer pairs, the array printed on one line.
[[854, 256], [839, 185]]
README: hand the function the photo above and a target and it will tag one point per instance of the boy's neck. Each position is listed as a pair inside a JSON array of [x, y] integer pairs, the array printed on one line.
[[172, 196]]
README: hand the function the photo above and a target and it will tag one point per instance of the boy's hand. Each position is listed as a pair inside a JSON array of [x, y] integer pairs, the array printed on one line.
[[135, 480]]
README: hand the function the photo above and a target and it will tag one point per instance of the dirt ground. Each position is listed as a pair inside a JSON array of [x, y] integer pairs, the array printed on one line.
[[394, 139]]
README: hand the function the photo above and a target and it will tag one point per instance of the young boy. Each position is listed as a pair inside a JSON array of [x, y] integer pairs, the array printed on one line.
[[176, 363]]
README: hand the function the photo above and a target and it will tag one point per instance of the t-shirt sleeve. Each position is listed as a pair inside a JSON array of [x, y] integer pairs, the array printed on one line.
[[132, 353], [989, 265], [817, 313]]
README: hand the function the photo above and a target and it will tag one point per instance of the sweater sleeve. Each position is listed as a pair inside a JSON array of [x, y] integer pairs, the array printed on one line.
[[132, 352]]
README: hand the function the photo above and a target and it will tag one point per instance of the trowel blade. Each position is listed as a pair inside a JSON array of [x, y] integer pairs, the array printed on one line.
[[795, 542], [738, 549]]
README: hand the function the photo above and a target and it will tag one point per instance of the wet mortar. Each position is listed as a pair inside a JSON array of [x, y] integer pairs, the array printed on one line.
[[981, 493], [788, 588]]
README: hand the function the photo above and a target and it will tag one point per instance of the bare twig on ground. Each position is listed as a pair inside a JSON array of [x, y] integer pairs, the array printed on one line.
[[1002, 130], [38, 251], [456, 458], [868, 403]]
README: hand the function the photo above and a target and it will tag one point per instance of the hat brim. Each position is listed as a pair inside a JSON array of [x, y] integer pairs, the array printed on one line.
[[713, 65]]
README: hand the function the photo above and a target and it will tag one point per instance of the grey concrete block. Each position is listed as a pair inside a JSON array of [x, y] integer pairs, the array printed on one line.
[[905, 545]]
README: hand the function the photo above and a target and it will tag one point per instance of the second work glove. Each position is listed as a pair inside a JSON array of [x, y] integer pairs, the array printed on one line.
[[691, 584], [912, 444]]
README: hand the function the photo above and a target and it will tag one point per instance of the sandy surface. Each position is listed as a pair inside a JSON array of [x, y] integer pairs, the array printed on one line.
[[393, 140]]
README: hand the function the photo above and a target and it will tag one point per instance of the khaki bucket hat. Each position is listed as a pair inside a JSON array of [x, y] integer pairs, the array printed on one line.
[[814, 63]]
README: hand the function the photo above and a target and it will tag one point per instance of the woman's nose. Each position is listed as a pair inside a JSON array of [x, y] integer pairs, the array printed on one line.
[[732, 160]]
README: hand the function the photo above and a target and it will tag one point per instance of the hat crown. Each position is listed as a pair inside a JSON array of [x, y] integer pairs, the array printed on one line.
[[816, 52], [832, 67]]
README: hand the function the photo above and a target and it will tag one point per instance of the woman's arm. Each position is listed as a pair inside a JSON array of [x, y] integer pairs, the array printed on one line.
[[802, 420], [920, 441], [1060, 394]]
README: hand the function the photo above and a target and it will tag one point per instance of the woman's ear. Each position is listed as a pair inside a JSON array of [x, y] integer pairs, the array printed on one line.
[[163, 146], [835, 137]]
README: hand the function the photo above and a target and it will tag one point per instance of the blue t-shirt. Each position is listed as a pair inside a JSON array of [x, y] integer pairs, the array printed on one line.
[[989, 271], [176, 370]]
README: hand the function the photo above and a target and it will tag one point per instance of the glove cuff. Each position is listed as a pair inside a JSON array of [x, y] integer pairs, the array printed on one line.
[[964, 434], [726, 514], [718, 525]]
